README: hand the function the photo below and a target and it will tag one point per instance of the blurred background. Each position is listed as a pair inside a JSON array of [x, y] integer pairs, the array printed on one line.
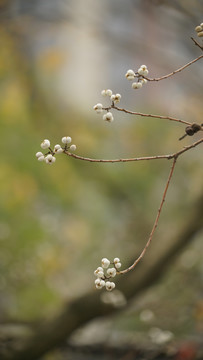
[[57, 222]]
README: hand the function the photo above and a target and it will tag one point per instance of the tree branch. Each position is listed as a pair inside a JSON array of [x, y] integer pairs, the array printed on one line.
[[178, 70], [50, 334], [142, 158]]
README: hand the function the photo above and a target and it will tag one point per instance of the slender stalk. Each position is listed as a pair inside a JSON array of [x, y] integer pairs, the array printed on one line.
[[186, 148], [178, 70], [149, 115], [171, 156], [117, 160], [142, 158], [155, 223], [196, 43]]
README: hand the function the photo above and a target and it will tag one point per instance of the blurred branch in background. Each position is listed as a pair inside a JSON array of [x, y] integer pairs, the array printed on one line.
[[53, 332]]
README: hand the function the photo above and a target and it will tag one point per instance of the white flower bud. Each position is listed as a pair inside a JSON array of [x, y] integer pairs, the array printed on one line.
[[99, 283], [108, 117], [136, 85], [72, 147], [58, 149], [200, 34], [106, 92], [41, 158], [143, 70], [201, 25], [143, 81], [105, 263], [38, 154], [117, 98], [111, 272], [198, 28], [45, 144], [118, 265], [98, 108], [99, 272], [50, 159], [66, 140], [110, 285], [116, 260], [130, 75]]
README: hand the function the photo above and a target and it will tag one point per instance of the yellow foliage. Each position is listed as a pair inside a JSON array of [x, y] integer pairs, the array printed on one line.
[[17, 187], [12, 102], [51, 60]]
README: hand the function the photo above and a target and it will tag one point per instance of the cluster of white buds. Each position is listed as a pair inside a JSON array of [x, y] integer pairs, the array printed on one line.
[[49, 157], [116, 98], [199, 30], [140, 75], [104, 273], [99, 108], [107, 92]]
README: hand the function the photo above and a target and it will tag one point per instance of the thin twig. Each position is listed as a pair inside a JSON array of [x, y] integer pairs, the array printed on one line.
[[155, 223], [196, 43], [172, 156], [176, 71], [117, 160], [149, 115], [142, 158], [186, 148]]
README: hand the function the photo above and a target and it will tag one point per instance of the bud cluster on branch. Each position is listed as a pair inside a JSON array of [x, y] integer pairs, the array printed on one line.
[[49, 157], [104, 273], [103, 279]]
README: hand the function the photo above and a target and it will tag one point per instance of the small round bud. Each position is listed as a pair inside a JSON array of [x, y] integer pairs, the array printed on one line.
[[107, 92], [118, 265], [111, 272], [41, 158], [98, 108], [72, 147], [116, 260], [58, 149], [108, 117], [143, 81], [198, 28], [136, 85], [50, 159], [99, 283], [45, 144], [66, 140], [130, 75], [117, 98], [201, 25], [200, 34], [143, 70], [38, 154], [110, 285], [99, 272], [105, 263]]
